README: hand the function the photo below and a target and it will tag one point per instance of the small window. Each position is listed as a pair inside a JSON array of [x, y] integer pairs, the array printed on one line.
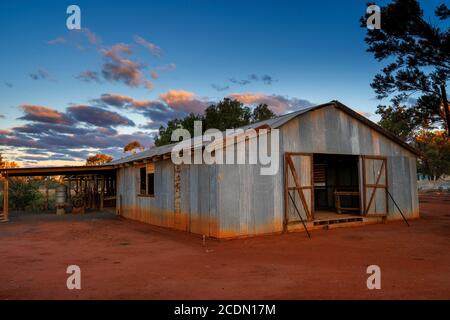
[[151, 184], [147, 180], [143, 184]]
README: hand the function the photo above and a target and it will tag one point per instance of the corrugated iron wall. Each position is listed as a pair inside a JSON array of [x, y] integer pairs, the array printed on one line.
[[196, 211], [235, 200]]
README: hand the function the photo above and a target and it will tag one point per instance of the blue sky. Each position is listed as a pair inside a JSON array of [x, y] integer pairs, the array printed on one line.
[[287, 53]]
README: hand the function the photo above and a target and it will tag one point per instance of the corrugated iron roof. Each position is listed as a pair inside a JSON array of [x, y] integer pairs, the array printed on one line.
[[274, 123]]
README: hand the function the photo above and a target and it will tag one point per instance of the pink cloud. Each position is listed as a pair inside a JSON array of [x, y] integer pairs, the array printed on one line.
[[153, 48], [184, 101], [277, 103], [43, 114]]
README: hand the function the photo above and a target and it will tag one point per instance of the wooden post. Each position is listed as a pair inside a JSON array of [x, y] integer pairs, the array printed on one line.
[[102, 192], [5, 199], [69, 193], [46, 194]]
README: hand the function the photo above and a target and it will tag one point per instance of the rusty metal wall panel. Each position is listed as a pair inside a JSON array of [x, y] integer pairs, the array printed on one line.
[[246, 204], [195, 198]]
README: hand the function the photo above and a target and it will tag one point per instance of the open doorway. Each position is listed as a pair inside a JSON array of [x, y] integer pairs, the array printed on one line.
[[336, 185]]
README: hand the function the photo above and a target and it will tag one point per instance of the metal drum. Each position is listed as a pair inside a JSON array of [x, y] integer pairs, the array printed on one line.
[[60, 199]]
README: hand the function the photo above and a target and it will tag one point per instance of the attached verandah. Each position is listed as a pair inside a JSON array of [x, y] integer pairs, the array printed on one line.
[[95, 185]]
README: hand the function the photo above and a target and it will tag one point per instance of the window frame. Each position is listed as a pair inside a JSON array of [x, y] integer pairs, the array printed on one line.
[[148, 171]]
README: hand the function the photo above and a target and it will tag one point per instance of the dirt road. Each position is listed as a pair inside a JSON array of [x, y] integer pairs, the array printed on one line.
[[122, 259]]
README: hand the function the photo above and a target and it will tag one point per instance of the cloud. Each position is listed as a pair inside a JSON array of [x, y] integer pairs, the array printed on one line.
[[88, 76], [98, 117], [8, 84], [121, 101], [120, 69], [43, 114], [154, 74], [55, 136], [2, 116], [277, 103], [118, 65], [167, 67], [161, 113], [220, 88], [265, 78], [184, 101], [91, 36], [240, 82], [56, 145], [51, 128], [172, 104], [39, 74], [153, 48], [57, 40], [148, 85], [78, 38]]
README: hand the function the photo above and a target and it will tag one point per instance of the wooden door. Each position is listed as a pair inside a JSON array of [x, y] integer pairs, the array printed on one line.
[[299, 191], [375, 185]]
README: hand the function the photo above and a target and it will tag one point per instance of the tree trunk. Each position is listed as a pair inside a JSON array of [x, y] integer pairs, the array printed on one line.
[[446, 110]]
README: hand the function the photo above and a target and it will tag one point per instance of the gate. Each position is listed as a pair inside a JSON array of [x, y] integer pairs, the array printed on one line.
[[375, 185], [298, 185]]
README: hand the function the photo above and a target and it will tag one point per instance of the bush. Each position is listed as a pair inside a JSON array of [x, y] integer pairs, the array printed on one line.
[[24, 194]]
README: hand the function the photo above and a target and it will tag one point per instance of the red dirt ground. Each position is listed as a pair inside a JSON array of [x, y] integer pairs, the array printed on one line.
[[122, 259]]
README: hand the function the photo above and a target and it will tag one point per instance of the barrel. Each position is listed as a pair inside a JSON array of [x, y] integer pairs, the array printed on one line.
[[60, 199]]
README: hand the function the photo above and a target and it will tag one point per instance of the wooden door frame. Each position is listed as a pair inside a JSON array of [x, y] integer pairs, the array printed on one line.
[[375, 186], [288, 164]]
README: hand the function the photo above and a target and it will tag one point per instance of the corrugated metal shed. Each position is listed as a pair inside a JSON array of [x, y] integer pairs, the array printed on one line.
[[236, 200]]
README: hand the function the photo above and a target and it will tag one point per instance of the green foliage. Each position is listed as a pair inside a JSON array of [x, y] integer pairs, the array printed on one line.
[[419, 60], [165, 133], [262, 112], [227, 114], [434, 149], [24, 193], [397, 120]]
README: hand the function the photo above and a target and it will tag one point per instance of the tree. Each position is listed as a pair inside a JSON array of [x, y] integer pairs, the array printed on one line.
[[165, 133], [133, 146], [262, 112], [98, 159], [227, 114], [7, 164], [397, 120], [420, 63], [434, 149], [24, 192]]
